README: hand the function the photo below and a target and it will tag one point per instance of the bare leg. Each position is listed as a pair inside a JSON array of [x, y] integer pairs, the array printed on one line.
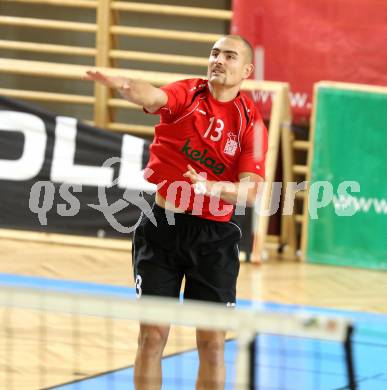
[[212, 371], [147, 367]]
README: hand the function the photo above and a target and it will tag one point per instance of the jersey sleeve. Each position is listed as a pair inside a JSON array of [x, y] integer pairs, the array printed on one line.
[[178, 94], [255, 137]]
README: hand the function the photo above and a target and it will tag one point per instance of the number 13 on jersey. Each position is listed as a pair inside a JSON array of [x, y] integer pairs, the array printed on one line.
[[215, 133]]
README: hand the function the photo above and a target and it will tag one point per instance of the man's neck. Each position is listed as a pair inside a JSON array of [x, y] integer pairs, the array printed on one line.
[[222, 93]]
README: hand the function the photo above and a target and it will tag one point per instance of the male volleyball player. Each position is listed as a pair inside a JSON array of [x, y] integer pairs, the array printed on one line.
[[202, 159]]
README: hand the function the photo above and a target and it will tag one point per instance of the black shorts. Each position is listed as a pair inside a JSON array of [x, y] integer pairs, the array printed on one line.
[[205, 252]]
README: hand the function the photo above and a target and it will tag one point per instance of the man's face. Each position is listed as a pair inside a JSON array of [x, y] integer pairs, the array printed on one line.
[[227, 64]]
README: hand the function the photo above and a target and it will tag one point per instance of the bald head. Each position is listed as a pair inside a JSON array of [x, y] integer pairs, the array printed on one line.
[[230, 62], [249, 51]]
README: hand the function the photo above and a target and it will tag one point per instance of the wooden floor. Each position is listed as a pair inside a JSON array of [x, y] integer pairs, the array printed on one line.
[[275, 281]]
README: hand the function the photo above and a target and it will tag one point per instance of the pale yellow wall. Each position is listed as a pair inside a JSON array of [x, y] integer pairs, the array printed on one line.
[[87, 39]]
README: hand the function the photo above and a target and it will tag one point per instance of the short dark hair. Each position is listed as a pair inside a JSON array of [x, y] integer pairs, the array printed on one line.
[[246, 43]]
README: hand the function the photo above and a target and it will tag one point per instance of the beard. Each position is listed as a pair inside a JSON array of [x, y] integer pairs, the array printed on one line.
[[218, 78]]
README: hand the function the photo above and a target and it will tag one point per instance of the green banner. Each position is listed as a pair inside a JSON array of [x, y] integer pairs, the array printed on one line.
[[348, 198]]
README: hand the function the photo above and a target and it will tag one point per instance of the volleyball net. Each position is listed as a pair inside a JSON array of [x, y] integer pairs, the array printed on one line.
[[83, 341]]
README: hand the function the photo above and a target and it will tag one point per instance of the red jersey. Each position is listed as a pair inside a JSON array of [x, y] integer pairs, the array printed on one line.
[[215, 138]]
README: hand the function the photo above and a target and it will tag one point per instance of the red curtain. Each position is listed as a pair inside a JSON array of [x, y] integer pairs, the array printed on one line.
[[304, 41]]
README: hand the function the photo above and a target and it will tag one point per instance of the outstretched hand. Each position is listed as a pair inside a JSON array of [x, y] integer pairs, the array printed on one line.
[[136, 91], [116, 82]]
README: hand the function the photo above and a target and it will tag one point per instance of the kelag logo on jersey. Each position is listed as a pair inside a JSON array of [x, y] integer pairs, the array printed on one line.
[[201, 157]]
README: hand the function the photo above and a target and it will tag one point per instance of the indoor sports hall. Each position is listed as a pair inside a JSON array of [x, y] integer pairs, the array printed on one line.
[[75, 150]]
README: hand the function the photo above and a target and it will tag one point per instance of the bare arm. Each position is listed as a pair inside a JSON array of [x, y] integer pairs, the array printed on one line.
[[243, 192], [136, 91]]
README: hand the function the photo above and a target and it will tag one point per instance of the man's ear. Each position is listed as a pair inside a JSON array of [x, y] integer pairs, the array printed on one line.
[[248, 71]]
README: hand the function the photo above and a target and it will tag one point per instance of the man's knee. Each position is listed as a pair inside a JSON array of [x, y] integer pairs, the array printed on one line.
[[211, 346], [152, 339]]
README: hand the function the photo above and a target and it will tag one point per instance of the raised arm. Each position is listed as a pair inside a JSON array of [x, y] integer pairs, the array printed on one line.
[[136, 91]]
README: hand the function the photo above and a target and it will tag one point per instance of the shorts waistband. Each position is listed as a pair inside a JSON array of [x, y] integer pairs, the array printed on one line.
[[185, 217]]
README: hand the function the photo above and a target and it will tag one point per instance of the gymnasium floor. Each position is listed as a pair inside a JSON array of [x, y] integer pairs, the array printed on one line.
[[282, 286]]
